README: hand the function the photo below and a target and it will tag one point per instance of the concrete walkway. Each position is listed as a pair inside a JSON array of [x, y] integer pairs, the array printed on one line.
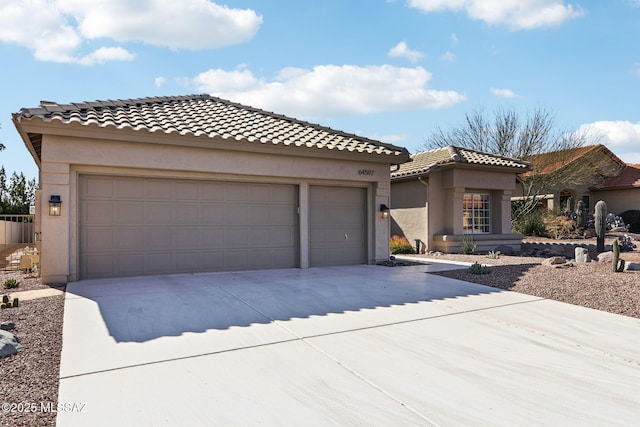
[[360, 345]]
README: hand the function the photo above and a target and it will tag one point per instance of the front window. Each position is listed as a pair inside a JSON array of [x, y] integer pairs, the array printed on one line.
[[475, 213]]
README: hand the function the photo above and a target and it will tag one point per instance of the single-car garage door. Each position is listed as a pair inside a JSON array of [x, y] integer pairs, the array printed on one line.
[[139, 226], [337, 226]]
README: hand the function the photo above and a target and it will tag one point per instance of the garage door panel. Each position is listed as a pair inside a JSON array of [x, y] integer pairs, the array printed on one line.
[[129, 214], [157, 239], [186, 191], [97, 213], [157, 214], [98, 187], [236, 215], [129, 189], [127, 239], [186, 239], [157, 190], [99, 240], [158, 263], [236, 237], [186, 214]]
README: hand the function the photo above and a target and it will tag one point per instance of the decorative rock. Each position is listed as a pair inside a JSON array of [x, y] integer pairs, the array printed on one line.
[[504, 249], [605, 257], [632, 266], [7, 326], [9, 344], [565, 265], [582, 255], [554, 261]]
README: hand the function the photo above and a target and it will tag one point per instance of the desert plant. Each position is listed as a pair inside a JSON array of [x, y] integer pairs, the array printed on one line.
[[626, 243], [560, 226], [10, 284], [617, 263], [493, 254], [600, 224], [400, 245], [531, 224], [476, 268], [467, 245], [9, 302], [581, 215]]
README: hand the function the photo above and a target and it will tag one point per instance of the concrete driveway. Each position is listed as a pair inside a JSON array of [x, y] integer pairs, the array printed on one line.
[[358, 345]]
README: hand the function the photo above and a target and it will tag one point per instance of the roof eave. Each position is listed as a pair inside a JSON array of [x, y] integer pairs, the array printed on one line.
[[15, 118]]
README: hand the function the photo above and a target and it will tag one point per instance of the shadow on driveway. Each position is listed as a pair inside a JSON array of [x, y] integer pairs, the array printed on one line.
[[146, 308]]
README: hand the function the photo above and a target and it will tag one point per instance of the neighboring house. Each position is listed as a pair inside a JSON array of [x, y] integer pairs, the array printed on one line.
[[451, 193], [568, 176], [621, 193], [197, 184]]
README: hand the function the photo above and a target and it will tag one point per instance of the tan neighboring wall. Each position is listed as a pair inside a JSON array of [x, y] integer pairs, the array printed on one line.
[[65, 158], [619, 200]]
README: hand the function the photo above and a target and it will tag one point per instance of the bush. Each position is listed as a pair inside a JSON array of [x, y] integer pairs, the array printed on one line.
[[478, 269], [400, 245], [10, 284], [530, 224], [467, 245], [560, 226]]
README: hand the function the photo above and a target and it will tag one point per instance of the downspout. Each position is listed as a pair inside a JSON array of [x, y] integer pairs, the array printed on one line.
[[426, 219]]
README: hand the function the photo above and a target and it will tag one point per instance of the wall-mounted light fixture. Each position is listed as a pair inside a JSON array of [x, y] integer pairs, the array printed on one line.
[[55, 205], [384, 211]]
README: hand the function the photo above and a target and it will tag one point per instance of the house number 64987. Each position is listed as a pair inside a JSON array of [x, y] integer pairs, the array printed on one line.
[[368, 172]]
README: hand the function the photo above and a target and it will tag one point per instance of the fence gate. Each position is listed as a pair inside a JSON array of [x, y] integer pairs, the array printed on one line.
[[16, 234]]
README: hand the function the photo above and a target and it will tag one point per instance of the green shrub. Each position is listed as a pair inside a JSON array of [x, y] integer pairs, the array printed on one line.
[[478, 269], [467, 245], [400, 245], [10, 284], [531, 224]]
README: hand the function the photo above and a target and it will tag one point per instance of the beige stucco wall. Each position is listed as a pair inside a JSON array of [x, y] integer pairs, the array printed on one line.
[[619, 201], [434, 214], [65, 158]]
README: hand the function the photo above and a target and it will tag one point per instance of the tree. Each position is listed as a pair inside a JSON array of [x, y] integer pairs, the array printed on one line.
[[17, 195], [524, 137]]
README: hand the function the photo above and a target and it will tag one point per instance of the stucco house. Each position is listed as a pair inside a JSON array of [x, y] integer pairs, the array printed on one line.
[[451, 193], [573, 174], [621, 192], [196, 184]]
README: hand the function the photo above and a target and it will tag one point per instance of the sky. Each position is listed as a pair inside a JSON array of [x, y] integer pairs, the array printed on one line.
[[391, 70]]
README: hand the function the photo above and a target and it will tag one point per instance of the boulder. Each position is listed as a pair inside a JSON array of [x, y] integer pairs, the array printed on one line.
[[556, 260], [9, 344], [605, 257], [632, 266], [582, 255], [504, 249], [7, 326]]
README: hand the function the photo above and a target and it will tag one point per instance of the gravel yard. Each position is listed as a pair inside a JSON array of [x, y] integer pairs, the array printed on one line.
[[30, 379]]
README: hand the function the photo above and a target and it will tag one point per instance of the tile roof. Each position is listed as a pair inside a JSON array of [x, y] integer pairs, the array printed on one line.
[[422, 163], [629, 177], [553, 161], [207, 116]]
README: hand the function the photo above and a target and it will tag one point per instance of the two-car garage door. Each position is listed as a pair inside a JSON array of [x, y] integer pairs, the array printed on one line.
[[138, 226], [133, 226]]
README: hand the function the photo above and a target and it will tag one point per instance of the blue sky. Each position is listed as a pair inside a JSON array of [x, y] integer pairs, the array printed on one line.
[[387, 69]]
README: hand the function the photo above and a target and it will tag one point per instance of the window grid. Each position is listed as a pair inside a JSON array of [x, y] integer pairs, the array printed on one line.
[[475, 213]]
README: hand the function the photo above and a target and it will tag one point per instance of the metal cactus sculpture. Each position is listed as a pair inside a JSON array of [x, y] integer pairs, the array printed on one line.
[[600, 218]]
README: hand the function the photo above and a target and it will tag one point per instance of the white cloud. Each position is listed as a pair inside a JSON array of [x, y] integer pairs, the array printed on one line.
[[104, 54], [160, 81], [636, 67], [621, 137], [330, 90], [454, 39], [184, 24], [401, 50], [448, 56], [55, 30], [514, 14], [504, 93]]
